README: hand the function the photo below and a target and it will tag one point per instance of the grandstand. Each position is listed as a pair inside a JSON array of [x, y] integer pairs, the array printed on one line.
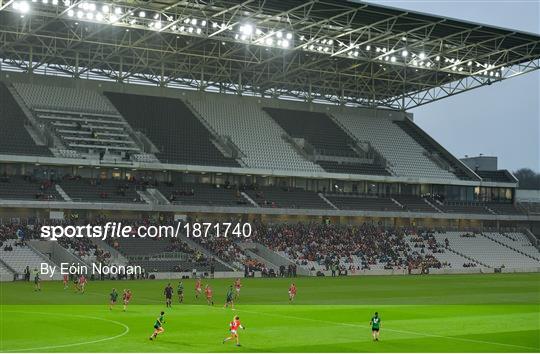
[[301, 128]]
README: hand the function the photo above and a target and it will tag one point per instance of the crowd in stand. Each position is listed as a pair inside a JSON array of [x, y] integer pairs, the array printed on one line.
[[339, 248], [227, 250]]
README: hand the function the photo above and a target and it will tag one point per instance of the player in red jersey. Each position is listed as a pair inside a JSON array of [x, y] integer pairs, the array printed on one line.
[[66, 281], [237, 287], [234, 326], [82, 283], [198, 288], [209, 296], [126, 298], [292, 292]]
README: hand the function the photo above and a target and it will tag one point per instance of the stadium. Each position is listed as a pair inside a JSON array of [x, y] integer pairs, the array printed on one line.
[[251, 170]]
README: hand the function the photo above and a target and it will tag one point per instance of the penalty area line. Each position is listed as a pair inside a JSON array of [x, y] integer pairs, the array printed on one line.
[[126, 331]]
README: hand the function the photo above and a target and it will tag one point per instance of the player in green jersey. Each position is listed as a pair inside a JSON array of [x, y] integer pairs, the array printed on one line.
[[37, 281], [113, 297], [230, 298], [375, 324], [180, 292], [158, 325]]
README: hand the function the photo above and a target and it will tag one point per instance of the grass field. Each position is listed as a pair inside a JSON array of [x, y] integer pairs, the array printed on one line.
[[451, 313]]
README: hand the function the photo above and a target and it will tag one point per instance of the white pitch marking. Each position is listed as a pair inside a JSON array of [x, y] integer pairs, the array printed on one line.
[[126, 331], [393, 330]]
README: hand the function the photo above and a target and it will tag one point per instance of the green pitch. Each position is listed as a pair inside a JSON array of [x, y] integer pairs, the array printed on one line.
[[462, 313]]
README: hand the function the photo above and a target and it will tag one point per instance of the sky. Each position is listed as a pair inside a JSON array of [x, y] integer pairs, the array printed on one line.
[[499, 120]]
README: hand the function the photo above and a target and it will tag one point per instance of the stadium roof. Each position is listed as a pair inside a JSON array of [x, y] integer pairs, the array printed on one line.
[[321, 50]]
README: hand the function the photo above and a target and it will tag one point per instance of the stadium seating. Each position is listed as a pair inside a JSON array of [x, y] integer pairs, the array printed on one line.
[[84, 120], [172, 127], [362, 202], [421, 138], [14, 139], [253, 131], [27, 188], [445, 256], [465, 208], [21, 256], [327, 139], [102, 191], [518, 241], [59, 98], [505, 208], [5, 274], [406, 156], [415, 203], [357, 168], [294, 198], [317, 128], [495, 176], [202, 194], [485, 250]]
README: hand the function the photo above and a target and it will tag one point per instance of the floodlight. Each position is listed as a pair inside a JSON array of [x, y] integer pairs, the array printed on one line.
[[368, 47], [422, 55], [393, 59], [203, 23], [21, 6], [80, 14], [246, 29], [404, 53], [142, 14], [279, 34], [194, 22], [118, 11], [70, 13], [269, 41], [105, 9], [285, 43]]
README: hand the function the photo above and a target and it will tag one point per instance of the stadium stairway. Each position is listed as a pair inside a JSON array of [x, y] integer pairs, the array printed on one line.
[[57, 253], [116, 257], [157, 196], [198, 247], [275, 258], [327, 201], [251, 251], [248, 198], [147, 197]]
